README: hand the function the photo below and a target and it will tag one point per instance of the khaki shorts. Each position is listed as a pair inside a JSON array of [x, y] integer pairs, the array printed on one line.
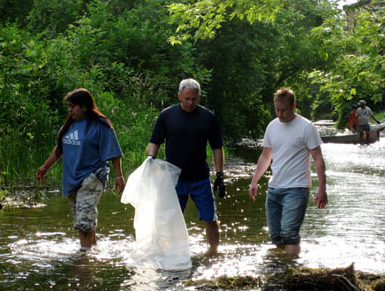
[[84, 203]]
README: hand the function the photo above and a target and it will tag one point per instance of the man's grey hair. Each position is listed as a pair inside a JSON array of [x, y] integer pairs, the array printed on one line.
[[189, 84]]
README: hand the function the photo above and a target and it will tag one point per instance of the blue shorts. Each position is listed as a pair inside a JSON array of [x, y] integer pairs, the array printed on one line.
[[365, 127], [285, 212], [202, 195]]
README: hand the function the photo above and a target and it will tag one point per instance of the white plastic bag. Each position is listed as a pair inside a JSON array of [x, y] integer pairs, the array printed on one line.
[[162, 240]]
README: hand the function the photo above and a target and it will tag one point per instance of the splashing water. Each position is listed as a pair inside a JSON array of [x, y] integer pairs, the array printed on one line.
[[39, 248]]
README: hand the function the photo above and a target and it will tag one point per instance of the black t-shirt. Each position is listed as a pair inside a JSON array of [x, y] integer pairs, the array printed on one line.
[[186, 137]]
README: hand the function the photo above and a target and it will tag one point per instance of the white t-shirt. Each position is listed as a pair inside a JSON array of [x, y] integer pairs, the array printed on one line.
[[364, 115], [291, 142]]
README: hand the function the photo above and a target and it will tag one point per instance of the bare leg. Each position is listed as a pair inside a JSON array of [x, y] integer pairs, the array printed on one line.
[[87, 239], [212, 233], [292, 249], [94, 240], [367, 136], [361, 137]]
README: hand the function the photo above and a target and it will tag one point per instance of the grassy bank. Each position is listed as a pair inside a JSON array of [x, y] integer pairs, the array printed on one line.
[[18, 178]]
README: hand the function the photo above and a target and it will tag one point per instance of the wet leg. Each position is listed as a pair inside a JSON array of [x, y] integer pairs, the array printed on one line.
[[292, 249], [87, 239], [367, 136], [94, 239], [361, 137], [212, 233]]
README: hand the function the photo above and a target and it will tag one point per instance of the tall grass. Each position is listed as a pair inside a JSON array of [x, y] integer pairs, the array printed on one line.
[[19, 159], [21, 153]]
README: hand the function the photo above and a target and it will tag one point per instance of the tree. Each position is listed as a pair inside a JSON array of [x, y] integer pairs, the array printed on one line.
[[252, 56], [205, 17], [358, 67], [15, 11]]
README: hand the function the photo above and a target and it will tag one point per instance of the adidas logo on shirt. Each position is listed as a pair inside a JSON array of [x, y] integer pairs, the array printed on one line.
[[72, 138]]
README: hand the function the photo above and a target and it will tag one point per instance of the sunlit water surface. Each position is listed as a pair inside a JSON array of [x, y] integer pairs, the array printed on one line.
[[39, 248]]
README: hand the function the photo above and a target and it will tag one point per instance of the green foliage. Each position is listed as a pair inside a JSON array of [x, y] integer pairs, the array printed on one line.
[[250, 61], [297, 51], [15, 11], [53, 16], [26, 118], [133, 120], [125, 53], [205, 17], [358, 67], [131, 43], [123, 59], [239, 74]]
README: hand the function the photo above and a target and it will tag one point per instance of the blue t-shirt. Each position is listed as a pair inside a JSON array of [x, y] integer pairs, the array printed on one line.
[[87, 146], [186, 136]]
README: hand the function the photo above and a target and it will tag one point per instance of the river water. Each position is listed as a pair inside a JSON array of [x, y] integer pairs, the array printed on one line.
[[38, 247]]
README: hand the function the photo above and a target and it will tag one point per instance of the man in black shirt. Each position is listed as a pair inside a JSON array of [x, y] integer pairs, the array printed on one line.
[[186, 128]]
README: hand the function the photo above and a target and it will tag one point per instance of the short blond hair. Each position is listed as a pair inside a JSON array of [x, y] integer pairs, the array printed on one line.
[[285, 95]]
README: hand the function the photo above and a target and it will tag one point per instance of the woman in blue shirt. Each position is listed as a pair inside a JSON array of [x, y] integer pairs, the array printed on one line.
[[86, 142]]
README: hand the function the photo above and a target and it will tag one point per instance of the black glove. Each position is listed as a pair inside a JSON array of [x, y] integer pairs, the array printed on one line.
[[219, 183]]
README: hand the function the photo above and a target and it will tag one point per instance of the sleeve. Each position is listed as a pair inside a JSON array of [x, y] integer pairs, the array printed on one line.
[[313, 139], [159, 131], [266, 138], [215, 139], [109, 145]]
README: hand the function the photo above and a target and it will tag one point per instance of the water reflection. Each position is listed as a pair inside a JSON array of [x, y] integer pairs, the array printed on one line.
[[353, 227], [38, 247]]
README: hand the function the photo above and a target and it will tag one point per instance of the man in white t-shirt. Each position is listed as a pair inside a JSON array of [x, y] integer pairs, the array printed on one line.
[[363, 115], [290, 142]]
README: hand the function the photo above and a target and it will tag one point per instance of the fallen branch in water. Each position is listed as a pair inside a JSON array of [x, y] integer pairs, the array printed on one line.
[[341, 279], [345, 280]]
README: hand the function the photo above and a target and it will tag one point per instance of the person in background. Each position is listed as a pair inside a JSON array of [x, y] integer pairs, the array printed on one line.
[[352, 123], [363, 116], [86, 142], [186, 128], [290, 141]]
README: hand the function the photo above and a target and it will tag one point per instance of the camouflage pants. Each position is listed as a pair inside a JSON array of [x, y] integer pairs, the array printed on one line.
[[84, 204]]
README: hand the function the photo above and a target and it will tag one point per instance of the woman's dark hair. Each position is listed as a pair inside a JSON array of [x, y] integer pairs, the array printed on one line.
[[83, 98]]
